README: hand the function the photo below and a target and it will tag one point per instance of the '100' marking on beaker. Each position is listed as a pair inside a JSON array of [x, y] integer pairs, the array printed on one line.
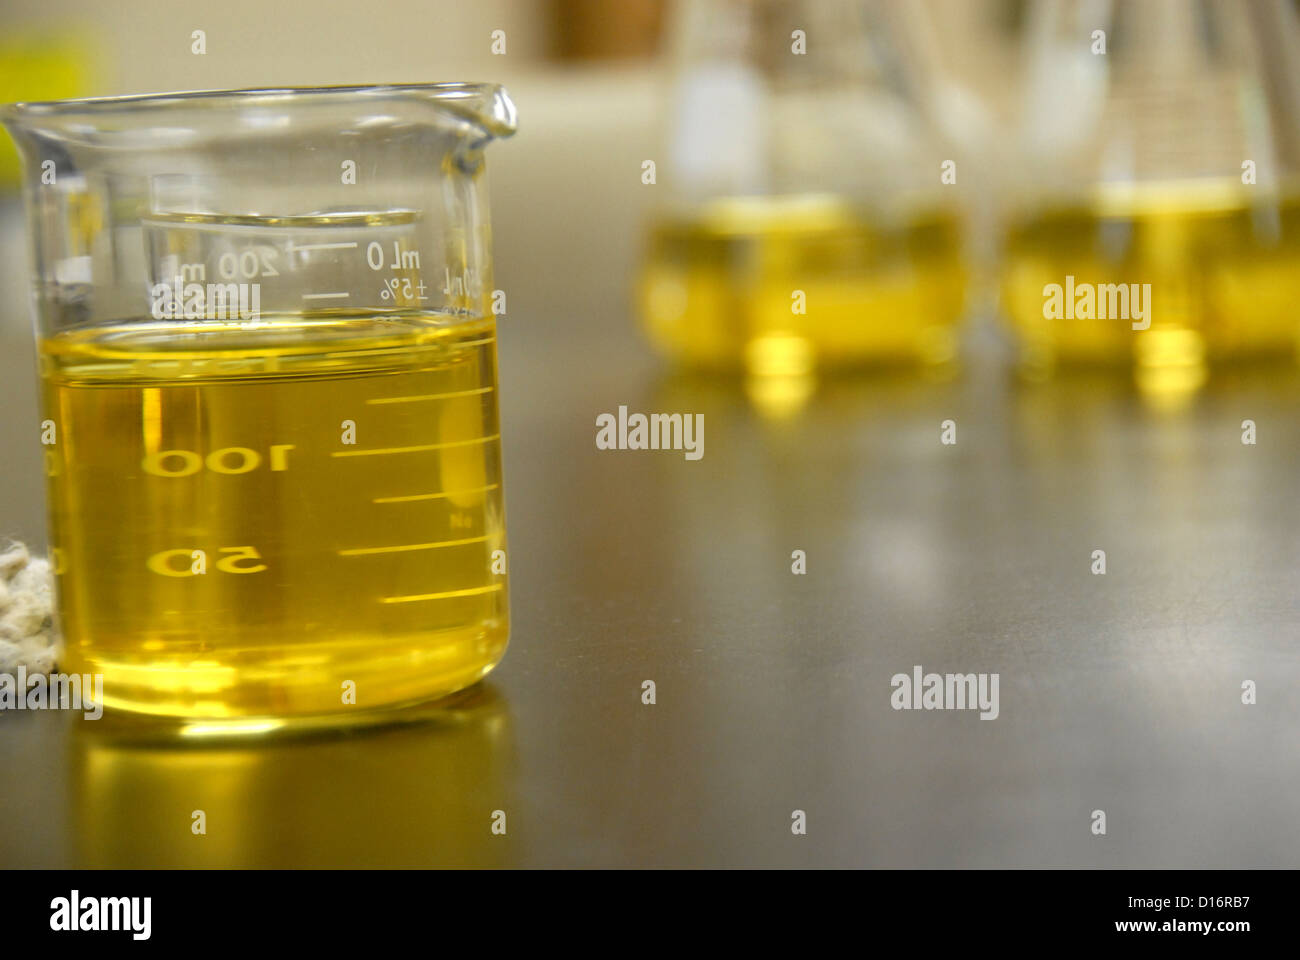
[[226, 460]]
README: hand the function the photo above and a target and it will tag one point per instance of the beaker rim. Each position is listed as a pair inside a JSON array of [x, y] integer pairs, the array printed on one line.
[[485, 104]]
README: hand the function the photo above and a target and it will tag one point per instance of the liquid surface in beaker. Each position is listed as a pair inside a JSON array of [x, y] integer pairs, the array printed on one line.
[[279, 518], [1222, 273], [785, 285]]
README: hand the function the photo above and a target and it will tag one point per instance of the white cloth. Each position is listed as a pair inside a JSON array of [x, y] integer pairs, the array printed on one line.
[[27, 635]]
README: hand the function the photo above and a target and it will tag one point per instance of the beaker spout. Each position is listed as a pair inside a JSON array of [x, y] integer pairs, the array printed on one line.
[[487, 105]]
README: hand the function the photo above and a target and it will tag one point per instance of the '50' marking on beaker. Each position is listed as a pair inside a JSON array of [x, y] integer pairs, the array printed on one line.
[[228, 460], [161, 562]]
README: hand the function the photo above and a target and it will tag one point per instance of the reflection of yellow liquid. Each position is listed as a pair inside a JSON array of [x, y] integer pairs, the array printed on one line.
[[223, 549], [1224, 276], [418, 794], [782, 286]]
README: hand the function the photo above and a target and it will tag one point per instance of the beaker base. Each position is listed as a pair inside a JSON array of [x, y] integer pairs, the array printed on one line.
[[127, 722]]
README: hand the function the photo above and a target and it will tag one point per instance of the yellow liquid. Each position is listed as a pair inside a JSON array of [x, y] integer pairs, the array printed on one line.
[[223, 551], [1224, 276], [719, 290]]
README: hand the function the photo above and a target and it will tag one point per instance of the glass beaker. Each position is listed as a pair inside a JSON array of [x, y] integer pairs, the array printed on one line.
[[269, 389], [801, 221], [1156, 226]]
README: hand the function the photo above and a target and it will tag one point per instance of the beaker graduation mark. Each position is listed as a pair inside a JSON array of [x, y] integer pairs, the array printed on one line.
[[431, 396], [472, 592], [402, 548], [435, 496], [420, 448]]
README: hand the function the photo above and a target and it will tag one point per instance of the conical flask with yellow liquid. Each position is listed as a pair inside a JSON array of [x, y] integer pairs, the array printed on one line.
[[802, 221], [1156, 224]]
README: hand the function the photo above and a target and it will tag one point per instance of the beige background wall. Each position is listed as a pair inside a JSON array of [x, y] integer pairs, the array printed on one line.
[[145, 44], [567, 201]]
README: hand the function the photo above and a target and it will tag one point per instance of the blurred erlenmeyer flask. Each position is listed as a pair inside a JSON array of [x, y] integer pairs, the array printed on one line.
[[802, 220], [1162, 145]]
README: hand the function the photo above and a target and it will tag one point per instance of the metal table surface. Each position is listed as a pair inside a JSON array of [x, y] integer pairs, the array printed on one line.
[[1119, 692]]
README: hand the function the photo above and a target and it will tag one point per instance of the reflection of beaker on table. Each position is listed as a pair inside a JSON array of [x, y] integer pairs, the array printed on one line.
[[1162, 190], [421, 794]]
